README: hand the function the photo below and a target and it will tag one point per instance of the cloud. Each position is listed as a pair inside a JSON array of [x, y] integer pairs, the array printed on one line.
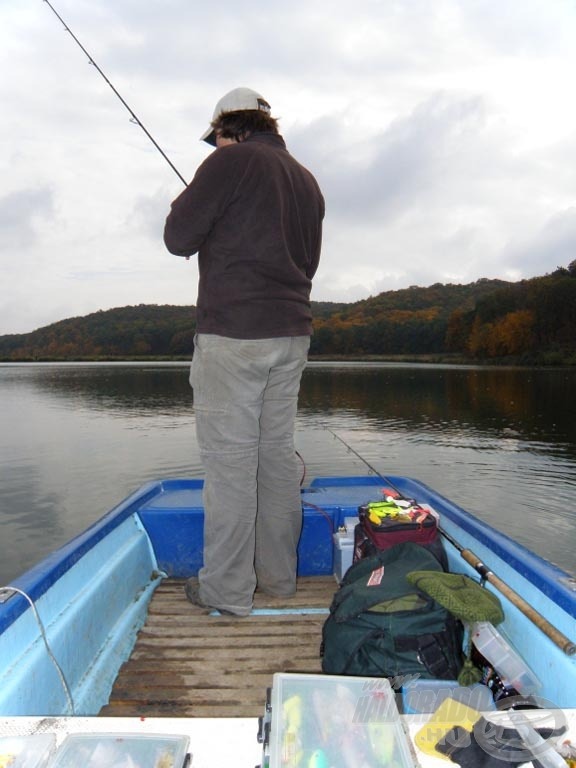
[[397, 168], [442, 134], [547, 247], [532, 28], [149, 214], [20, 215]]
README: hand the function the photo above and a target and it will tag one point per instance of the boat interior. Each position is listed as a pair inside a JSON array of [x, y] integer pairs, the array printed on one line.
[[187, 663]]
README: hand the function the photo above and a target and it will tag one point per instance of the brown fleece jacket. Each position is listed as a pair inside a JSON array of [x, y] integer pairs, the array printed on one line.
[[254, 216]]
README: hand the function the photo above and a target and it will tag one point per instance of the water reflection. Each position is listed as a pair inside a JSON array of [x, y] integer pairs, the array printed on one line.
[[506, 404], [130, 390], [76, 439]]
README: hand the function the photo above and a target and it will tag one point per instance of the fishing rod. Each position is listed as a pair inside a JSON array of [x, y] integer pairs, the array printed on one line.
[[557, 637], [554, 634], [133, 117]]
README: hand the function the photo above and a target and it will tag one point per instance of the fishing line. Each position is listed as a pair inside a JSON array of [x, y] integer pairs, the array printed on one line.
[[133, 117], [372, 469], [309, 503]]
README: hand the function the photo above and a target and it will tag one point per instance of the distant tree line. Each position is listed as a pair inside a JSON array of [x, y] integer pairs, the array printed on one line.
[[413, 321], [531, 321], [143, 331]]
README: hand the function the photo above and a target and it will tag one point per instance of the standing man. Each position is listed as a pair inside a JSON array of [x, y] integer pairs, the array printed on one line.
[[254, 216]]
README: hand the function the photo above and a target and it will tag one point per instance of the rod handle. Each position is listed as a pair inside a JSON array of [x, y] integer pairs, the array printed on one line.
[[558, 638]]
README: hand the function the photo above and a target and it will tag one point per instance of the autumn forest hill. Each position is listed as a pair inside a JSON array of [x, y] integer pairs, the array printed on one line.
[[527, 322]]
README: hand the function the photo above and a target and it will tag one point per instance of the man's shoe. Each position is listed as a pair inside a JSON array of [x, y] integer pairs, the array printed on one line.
[[192, 590]]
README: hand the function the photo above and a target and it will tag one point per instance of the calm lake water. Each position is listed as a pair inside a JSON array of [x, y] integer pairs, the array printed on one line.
[[501, 442]]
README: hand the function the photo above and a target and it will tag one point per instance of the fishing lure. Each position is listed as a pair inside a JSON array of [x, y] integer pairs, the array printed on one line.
[[567, 750], [318, 759]]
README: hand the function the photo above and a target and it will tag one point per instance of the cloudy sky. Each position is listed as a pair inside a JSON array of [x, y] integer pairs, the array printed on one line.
[[442, 132]]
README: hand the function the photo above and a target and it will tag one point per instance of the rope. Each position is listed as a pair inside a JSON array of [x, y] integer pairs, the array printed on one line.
[[53, 659]]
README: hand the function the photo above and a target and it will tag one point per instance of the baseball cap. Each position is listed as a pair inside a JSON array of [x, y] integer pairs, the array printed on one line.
[[236, 100]]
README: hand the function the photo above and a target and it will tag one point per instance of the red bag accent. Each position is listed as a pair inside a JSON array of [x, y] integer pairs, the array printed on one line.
[[423, 528]]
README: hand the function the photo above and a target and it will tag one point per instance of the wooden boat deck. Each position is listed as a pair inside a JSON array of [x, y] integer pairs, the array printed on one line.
[[190, 664]]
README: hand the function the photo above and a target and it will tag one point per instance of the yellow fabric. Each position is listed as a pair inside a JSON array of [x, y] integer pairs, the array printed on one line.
[[448, 714], [406, 603]]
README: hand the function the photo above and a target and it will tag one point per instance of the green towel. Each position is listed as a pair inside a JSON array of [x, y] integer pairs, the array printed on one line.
[[466, 600], [459, 594]]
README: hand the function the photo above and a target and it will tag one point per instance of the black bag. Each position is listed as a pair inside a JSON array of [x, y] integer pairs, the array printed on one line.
[[380, 625]]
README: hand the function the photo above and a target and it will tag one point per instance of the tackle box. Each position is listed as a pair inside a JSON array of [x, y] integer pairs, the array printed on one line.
[[331, 721], [507, 662], [110, 750], [26, 751]]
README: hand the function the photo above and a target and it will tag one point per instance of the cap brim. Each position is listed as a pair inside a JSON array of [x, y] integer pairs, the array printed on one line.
[[209, 136]]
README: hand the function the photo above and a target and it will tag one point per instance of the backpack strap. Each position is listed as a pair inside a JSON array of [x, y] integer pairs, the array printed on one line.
[[430, 649], [364, 640]]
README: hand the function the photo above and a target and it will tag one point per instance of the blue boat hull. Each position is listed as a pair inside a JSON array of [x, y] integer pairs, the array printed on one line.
[[92, 595]]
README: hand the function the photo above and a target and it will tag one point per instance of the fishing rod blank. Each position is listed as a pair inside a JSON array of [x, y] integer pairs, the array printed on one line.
[[133, 116]]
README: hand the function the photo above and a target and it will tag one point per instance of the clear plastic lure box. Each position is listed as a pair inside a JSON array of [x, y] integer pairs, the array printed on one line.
[[26, 751], [506, 661], [130, 750], [330, 721]]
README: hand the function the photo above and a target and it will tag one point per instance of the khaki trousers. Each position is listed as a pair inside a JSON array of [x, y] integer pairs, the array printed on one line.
[[245, 401]]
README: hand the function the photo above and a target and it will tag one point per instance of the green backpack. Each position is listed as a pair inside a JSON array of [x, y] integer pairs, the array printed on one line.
[[381, 625]]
